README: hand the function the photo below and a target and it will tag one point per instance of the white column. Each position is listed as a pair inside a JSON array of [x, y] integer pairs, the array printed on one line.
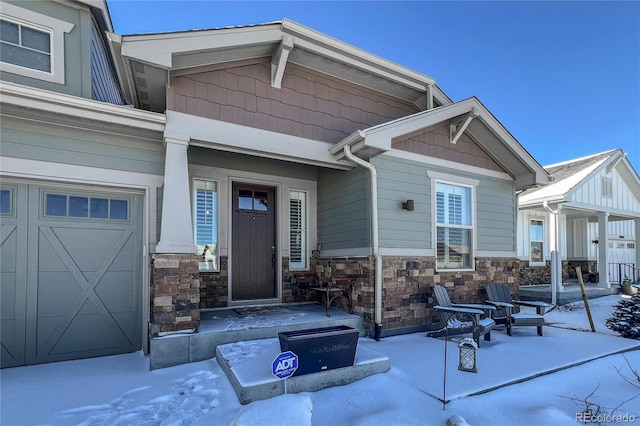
[[603, 249], [636, 222], [176, 231], [561, 244]]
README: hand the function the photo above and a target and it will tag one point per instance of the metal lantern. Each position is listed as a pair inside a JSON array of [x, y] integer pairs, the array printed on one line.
[[467, 349]]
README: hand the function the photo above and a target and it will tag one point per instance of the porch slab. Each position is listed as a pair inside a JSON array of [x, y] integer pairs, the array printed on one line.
[[571, 292], [248, 367], [219, 327]]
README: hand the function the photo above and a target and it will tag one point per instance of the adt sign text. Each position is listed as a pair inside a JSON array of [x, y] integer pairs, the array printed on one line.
[[285, 365]]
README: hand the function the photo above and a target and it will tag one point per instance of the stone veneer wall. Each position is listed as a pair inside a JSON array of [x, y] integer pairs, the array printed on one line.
[[175, 293], [535, 275], [214, 287], [408, 288]]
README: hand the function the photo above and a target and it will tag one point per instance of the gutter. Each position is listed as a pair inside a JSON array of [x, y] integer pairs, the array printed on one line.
[[374, 237]]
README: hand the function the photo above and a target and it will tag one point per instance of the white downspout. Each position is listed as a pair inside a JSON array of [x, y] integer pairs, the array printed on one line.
[[556, 261], [374, 237]]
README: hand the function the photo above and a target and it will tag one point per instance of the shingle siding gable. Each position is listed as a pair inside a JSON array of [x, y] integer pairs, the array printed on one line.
[[309, 104]]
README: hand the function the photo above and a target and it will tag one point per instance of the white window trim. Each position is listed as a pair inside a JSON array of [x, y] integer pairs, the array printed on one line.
[[193, 215], [55, 27], [544, 240], [437, 177], [305, 248]]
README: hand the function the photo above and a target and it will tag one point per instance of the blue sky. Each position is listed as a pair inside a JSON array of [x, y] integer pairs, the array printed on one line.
[[562, 76]]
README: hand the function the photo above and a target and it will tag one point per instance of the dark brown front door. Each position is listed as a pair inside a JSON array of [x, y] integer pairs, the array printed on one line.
[[253, 242]]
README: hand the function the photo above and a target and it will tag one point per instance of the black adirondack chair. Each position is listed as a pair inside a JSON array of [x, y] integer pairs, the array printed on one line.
[[462, 318], [500, 296]]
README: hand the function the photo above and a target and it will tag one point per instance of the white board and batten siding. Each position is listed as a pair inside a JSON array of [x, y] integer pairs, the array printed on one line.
[[598, 192]]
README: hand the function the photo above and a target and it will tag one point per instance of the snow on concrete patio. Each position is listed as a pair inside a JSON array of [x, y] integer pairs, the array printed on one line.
[[121, 389]]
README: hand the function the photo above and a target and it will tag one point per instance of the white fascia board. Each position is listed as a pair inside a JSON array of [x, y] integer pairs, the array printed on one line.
[[501, 132], [101, 5], [353, 138], [159, 49], [433, 161], [382, 135], [209, 133], [33, 98], [123, 71], [367, 61]]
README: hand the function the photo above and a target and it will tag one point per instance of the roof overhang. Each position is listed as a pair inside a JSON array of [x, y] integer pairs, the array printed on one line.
[[469, 116], [45, 106], [229, 137], [146, 61], [561, 193]]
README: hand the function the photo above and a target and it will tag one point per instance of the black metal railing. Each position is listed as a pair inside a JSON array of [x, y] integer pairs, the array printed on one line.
[[618, 272]]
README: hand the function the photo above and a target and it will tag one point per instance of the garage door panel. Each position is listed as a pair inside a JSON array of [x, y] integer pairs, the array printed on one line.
[[56, 293], [115, 290], [87, 333], [79, 292], [89, 247], [13, 271]]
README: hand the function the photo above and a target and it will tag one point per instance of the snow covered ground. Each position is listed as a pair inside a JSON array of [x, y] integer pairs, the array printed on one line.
[[120, 390]]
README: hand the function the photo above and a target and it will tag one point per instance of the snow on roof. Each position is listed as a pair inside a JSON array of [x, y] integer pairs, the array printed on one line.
[[566, 175]]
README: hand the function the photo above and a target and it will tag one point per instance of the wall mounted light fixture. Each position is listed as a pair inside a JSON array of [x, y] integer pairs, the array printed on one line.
[[408, 205]]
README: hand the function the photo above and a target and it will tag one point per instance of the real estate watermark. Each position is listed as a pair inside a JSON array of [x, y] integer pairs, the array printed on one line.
[[588, 417]]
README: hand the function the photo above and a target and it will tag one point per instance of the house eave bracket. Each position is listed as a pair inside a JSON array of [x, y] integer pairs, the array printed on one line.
[[457, 128], [279, 61]]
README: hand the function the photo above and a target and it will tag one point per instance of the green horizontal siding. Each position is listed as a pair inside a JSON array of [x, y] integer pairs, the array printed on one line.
[[46, 142], [343, 209], [400, 180]]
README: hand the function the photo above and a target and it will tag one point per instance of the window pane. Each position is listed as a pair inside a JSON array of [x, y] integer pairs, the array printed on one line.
[[56, 205], [25, 58], [453, 204], [9, 32], [245, 202], [34, 39], [99, 208], [453, 248], [119, 209], [537, 230], [297, 229], [260, 201], [5, 201], [206, 223], [78, 206], [536, 251]]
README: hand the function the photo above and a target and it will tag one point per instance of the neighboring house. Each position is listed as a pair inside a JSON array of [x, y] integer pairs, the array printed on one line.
[[283, 151], [597, 199]]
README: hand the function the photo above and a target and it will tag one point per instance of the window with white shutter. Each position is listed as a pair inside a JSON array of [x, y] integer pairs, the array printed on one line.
[[297, 230], [454, 226], [205, 212]]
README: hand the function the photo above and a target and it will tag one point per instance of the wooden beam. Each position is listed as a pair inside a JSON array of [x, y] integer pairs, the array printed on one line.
[[456, 130], [279, 61]]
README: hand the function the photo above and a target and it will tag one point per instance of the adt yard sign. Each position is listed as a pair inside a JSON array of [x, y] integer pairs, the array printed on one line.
[[285, 365]]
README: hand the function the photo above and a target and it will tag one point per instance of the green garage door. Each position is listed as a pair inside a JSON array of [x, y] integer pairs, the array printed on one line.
[[70, 273]]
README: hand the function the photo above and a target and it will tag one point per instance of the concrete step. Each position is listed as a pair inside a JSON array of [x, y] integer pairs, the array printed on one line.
[[227, 326], [248, 366]]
